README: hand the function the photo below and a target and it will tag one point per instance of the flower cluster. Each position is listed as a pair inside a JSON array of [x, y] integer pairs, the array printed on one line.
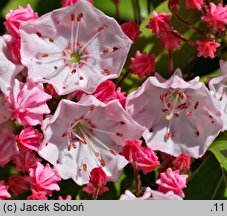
[[64, 116]]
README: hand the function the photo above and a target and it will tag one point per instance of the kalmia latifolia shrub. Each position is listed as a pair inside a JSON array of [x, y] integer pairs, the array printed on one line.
[[104, 105]]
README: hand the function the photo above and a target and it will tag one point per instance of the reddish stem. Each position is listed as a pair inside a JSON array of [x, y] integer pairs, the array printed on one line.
[[96, 194], [123, 78], [118, 11], [188, 24], [137, 182]]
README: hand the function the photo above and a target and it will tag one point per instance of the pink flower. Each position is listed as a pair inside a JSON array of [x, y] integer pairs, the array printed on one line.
[[218, 89], [170, 40], [207, 48], [174, 113], [8, 70], [25, 160], [150, 194], [66, 3], [44, 178], [170, 195], [160, 23], [81, 136], [194, 4], [4, 194], [131, 29], [182, 162], [37, 195], [29, 138], [4, 111], [128, 195], [68, 197], [17, 184], [59, 47], [142, 158], [173, 5], [172, 181], [8, 146], [27, 101], [15, 17], [143, 64], [216, 16]]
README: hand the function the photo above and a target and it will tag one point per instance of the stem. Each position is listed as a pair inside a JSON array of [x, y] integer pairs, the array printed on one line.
[[96, 194], [184, 39], [137, 182], [123, 78], [118, 12], [170, 62], [134, 10], [148, 6], [138, 10], [188, 24]]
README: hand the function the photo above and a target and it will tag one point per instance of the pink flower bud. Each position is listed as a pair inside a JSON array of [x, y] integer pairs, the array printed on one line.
[[131, 29], [207, 48], [37, 195], [147, 161], [182, 162], [173, 4], [143, 64], [15, 17], [17, 184], [29, 138], [131, 149], [194, 4], [172, 181], [216, 16], [4, 194], [98, 177]]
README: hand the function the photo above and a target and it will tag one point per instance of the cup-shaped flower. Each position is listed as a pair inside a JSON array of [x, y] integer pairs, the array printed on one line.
[[8, 70], [27, 101], [74, 48], [85, 135], [174, 113], [218, 88]]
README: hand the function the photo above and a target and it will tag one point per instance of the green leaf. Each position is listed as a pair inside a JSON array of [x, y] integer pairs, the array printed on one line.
[[219, 149], [207, 182]]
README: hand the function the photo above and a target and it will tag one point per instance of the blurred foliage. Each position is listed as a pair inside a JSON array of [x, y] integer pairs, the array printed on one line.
[[209, 177]]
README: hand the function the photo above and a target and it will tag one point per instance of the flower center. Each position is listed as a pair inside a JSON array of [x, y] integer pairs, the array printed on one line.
[[75, 57], [175, 101]]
